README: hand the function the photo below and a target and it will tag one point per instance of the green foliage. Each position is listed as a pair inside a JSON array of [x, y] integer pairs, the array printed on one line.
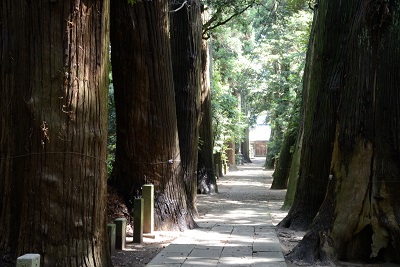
[[227, 119], [223, 12], [297, 5], [112, 132], [228, 86], [258, 51], [261, 58], [282, 51]]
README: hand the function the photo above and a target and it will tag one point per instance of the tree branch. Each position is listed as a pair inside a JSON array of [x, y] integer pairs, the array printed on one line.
[[207, 26], [179, 8]]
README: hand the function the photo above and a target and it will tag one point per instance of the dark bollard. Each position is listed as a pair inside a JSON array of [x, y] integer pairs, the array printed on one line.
[[138, 220], [148, 212], [111, 237], [120, 233]]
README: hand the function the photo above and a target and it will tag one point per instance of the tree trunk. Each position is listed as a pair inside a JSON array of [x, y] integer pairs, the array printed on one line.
[[218, 164], [321, 82], [293, 173], [246, 146], [186, 35], [231, 156], [147, 136], [53, 106], [281, 173], [359, 219], [206, 179], [270, 158]]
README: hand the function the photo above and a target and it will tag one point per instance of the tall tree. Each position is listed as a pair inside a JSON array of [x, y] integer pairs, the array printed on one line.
[[293, 173], [319, 97], [284, 164], [147, 135], [53, 106], [186, 35], [359, 218], [245, 144], [282, 169], [206, 177]]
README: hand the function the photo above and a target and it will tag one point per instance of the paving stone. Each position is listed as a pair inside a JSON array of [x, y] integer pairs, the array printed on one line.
[[212, 244], [231, 265], [238, 231], [242, 236], [181, 248], [243, 229], [200, 262], [268, 257], [242, 233], [265, 229], [169, 258], [217, 235], [236, 261], [163, 265], [242, 243], [265, 234], [260, 246], [206, 225], [222, 229], [209, 253], [237, 251], [266, 264], [182, 240]]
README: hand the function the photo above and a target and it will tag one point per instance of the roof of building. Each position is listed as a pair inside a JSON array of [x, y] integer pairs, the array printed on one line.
[[261, 132]]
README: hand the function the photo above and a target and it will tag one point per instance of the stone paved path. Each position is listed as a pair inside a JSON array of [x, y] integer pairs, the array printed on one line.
[[236, 226]]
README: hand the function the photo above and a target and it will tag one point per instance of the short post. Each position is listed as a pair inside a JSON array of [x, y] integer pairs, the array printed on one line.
[[28, 260], [120, 233], [138, 220], [111, 237], [148, 211]]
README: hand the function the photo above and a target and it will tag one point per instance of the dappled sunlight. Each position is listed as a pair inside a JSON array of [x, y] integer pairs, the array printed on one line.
[[223, 254], [242, 182], [236, 226]]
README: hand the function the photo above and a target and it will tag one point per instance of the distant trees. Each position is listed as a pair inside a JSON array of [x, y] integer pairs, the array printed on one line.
[[262, 62], [53, 106]]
